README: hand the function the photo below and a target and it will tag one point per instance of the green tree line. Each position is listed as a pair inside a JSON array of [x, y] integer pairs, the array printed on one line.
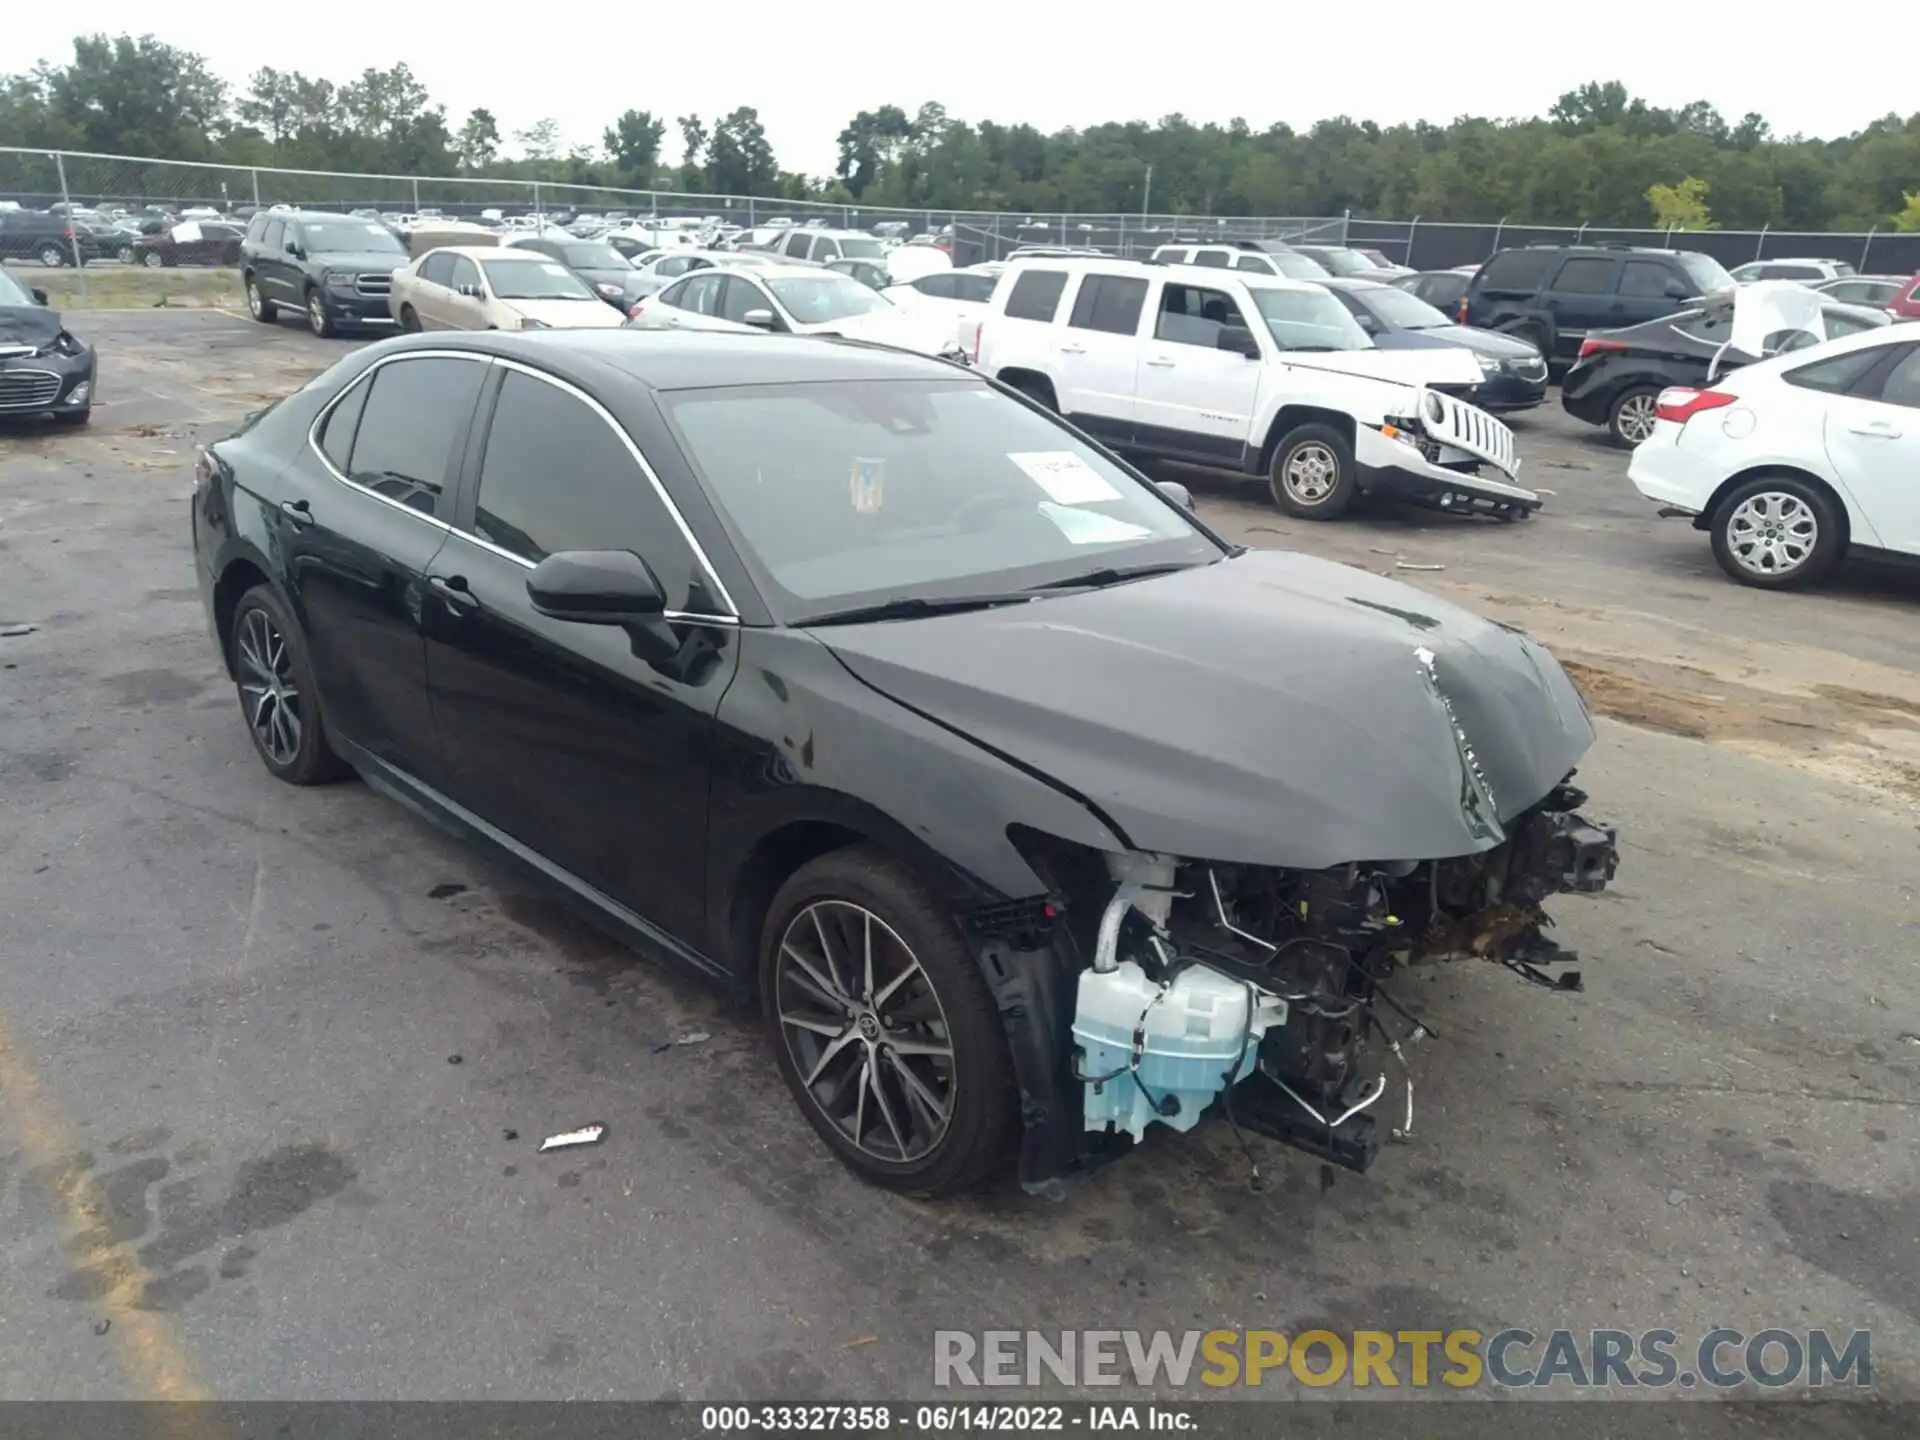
[[1601, 156]]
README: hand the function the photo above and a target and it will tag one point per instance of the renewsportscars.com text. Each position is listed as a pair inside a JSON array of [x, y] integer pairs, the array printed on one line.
[[1722, 1359]]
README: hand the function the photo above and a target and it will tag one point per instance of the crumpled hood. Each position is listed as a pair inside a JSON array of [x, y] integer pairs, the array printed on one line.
[[927, 331], [1270, 709], [1449, 365], [33, 325]]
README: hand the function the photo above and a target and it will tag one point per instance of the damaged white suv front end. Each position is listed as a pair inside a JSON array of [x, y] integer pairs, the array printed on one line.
[[1433, 448]]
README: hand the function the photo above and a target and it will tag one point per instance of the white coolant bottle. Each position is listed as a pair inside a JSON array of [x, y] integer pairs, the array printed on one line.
[[1194, 1032]]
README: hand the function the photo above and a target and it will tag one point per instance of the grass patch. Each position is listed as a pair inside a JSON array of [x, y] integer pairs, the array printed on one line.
[[123, 287]]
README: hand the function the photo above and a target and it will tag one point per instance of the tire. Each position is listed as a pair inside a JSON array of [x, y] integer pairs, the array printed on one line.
[[258, 306], [278, 653], [318, 320], [153, 260], [1630, 416], [126, 255], [1313, 475], [409, 320], [52, 256], [1799, 511], [955, 1129]]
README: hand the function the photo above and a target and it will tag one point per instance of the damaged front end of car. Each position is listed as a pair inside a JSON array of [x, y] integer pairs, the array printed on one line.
[[1436, 449], [1156, 990]]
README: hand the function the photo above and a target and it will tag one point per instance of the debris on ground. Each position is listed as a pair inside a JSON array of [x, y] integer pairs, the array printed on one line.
[[1409, 565], [860, 1340], [446, 890], [692, 1037], [100, 1327], [7, 632], [453, 1059], [1676, 1197], [513, 1134], [570, 1139]]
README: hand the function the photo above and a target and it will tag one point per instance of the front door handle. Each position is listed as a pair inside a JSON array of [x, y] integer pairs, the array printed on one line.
[[1160, 362], [1073, 349], [298, 511], [1876, 430], [452, 589]]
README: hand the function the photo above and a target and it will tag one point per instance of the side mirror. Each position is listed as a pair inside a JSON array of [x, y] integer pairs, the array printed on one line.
[[293, 248], [596, 587], [1368, 323], [1677, 291], [39, 297], [1239, 340], [759, 319], [1176, 492]]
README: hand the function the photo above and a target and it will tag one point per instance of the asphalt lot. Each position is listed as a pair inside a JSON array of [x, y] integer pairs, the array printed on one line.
[[274, 1063]]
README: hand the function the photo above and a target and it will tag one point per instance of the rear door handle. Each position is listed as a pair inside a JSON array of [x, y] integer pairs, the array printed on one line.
[[1160, 362], [453, 590], [1073, 349], [1876, 430], [298, 511]]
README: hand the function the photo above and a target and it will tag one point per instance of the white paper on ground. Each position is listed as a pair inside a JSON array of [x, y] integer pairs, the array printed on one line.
[[1067, 479], [1090, 527]]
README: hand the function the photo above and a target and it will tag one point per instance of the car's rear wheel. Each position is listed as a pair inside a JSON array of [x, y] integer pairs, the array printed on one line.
[[883, 1026], [278, 697], [1776, 532], [1630, 419], [127, 255], [154, 260], [1313, 474], [258, 306], [52, 255], [409, 319]]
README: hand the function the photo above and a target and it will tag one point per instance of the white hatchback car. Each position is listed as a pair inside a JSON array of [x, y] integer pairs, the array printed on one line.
[[1795, 462], [796, 299]]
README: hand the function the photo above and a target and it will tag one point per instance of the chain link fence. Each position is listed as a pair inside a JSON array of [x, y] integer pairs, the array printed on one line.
[[49, 181]]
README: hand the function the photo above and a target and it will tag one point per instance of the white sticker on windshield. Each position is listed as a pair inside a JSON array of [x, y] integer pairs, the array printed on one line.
[[552, 269], [1090, 527], [1065, 477]]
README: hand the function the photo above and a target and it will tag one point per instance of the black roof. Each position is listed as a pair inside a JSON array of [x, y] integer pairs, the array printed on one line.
[[691, 359]]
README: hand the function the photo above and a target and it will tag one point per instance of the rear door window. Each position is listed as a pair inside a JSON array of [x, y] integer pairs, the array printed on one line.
[[1109, 303], [1645, 280], [1838, 375], [413, 425], [1587, 275], [1516, 271]]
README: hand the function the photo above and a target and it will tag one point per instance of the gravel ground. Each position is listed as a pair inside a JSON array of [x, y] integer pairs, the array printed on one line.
[[237, 1154]]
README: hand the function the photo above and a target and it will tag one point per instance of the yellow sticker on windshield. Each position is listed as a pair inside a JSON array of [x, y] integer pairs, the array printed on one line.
[[866, 485]]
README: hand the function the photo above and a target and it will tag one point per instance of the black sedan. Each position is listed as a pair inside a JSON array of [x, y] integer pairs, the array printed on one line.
[[44, 368], [610, 274], [1027, 806], [1620, 373], [1514, 374]]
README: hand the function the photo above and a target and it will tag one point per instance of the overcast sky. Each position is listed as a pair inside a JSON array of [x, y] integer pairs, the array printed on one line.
[[809, 68]]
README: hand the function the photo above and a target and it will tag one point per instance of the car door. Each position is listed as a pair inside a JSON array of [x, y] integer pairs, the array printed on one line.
[[694, 303], [357, 543], [269, 259], [555, 732], [430, 291], [282, 278], [1099, 355], [1193, 398], [1582, 299], [741, 297], [1873, 440]]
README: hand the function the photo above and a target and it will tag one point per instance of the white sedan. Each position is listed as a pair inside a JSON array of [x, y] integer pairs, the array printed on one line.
[[796, 299], [1797, 461], [960, 295]]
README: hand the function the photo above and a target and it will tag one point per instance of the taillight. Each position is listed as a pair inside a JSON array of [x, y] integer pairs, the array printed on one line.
[[1463, 309], [1600, 347], [978, 330], [1681, 403], [638, 307]]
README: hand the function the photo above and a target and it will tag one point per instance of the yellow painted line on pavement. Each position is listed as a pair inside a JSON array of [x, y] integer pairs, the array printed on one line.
[[150, 1354]]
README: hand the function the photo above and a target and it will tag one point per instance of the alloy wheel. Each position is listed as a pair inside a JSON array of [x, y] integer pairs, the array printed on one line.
[[253, 298], [1311, 473], [317, 314], [268, 693], [1635, 420], [1772, 533], [865, 1030]]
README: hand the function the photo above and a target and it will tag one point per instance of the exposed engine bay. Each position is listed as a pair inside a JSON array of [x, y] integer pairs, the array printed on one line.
[[1263, 994]]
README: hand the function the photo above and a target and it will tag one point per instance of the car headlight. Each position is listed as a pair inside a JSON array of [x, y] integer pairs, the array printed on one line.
[[1489, 365], [339, 282], [527, 322]]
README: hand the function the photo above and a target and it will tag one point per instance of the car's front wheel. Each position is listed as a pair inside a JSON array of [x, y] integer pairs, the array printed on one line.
[[883, 1026], [1776, 532], [409, 319], [127, 255], [278, 698], [52, 255], [318, 320], [154, 260], [1314, 475]]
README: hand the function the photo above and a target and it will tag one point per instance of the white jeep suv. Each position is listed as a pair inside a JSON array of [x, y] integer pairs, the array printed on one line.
[[1254, 373]]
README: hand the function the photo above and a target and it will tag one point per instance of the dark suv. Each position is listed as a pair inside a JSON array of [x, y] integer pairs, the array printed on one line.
[[1555, 295], [51, 239], [336, 269]]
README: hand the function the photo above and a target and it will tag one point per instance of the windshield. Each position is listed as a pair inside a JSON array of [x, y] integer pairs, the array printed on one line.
[[1399, 310], [1706, 273], [534, 280], [12, 292], [345, 237], [817, 299], [853, 493], [595, 257], [1308, 320], [1296, 266], [855, 248]]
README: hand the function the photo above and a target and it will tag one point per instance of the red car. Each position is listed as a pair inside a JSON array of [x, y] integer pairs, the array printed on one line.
[[1905, 305]]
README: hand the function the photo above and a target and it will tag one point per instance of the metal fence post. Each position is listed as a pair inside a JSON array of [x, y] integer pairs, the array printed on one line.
[[73, 230], [256, 188], [1667, 239], [538, 213], [1580, 238], [1498, 227], [416, 194], [1412, 231], [750, 224], [1865, 248], [1760, 245], [1346, 223]]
